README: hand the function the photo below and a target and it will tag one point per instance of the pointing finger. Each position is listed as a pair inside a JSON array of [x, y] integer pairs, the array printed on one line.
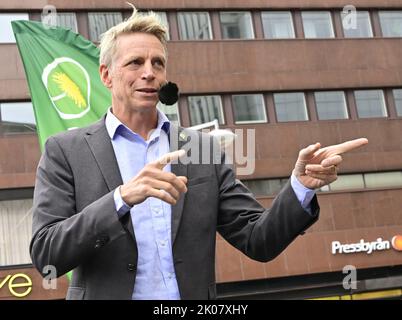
[[347, 146]]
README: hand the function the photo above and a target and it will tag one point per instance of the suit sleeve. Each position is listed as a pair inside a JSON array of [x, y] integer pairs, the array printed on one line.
[[260, 233], [62, 237]]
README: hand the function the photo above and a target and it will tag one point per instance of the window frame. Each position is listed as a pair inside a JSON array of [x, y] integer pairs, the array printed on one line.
[[99, 13], [177, 108], [383, 103], [21, 16], [394, 98], [220, 108], [304, 103], [291, 21], [159, 13], [75, 20], [251, 24], [32, 130], [250, 121], [329, 12], [381, 25], [344, 101], [370, 26], [211, 34]]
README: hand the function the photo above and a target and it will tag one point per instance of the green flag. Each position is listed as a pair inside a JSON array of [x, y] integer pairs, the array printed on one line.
[[63, 78]]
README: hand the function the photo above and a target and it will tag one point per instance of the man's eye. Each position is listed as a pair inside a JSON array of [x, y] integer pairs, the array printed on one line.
[[134, 62], [159, 63]]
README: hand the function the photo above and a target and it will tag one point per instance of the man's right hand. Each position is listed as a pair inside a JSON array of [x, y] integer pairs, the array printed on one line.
[[152, 181]]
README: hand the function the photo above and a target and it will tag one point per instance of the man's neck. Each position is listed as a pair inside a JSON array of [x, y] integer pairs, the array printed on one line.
[[139, 122]]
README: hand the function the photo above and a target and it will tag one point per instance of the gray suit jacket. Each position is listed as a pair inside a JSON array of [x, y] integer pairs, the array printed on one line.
[[75, 224]]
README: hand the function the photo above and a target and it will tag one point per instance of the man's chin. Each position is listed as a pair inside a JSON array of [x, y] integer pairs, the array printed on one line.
[[145, 105]]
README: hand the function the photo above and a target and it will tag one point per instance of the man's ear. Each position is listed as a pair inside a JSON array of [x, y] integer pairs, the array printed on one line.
[[104, 72]]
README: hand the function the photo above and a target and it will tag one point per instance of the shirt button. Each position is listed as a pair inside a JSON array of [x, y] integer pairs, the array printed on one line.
[[98, 244], [162, 243], [131, 267]]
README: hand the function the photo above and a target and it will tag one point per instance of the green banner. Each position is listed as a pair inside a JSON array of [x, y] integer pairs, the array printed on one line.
[[62, 69]]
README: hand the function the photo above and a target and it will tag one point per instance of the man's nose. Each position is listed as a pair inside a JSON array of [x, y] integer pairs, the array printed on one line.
[[148, 73]]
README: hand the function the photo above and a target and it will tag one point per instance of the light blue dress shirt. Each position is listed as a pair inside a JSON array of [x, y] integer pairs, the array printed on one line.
[[303, 194], [155, 278]]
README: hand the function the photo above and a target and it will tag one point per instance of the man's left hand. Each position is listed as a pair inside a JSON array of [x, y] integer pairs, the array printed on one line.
[[317, 167]]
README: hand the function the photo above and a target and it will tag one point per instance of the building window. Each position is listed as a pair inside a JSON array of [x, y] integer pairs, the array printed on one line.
[[331, 105], [205, 109], [270, 187], [317, 24], [290, 106], [17, 117], [194, 26], [236, 25], [249, 108], [278, 25], [6, 32], [172, 112], [67, 20], [363, 26], [383, 179], [162, 15], [398, 101], [345, 182], [100, 22], [15, 231], [370, 103], [391, 23], [265, 187]]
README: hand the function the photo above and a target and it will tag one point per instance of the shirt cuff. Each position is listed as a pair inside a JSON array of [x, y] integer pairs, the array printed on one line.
[[121, 207], [303, 194]]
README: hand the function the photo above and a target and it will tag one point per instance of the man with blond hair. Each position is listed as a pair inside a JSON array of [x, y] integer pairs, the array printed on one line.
[[114, 203]]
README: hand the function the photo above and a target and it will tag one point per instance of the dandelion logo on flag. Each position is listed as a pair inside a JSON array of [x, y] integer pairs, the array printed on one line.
[[70, 89], [68, 86]]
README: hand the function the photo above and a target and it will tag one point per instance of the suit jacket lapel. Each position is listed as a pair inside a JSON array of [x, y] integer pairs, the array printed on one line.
[[178, 138], [101, 147]]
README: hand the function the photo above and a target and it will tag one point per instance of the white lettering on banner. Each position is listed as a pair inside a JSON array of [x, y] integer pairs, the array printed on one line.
[[361, 246]]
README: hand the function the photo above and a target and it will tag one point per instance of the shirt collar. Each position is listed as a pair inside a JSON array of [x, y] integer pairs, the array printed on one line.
[[113, 123]]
